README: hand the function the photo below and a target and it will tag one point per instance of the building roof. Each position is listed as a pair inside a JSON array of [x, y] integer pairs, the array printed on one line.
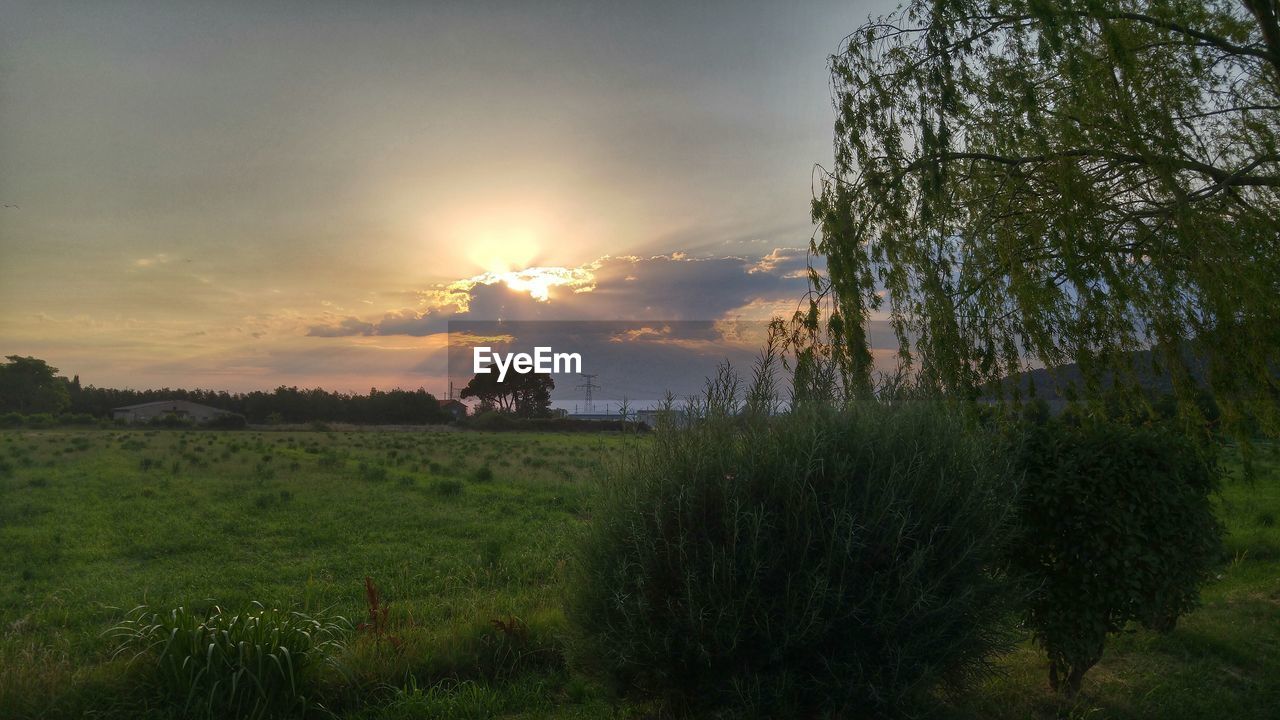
[[170, 403]]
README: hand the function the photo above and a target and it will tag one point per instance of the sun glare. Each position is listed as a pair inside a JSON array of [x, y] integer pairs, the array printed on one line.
[[539, 281]]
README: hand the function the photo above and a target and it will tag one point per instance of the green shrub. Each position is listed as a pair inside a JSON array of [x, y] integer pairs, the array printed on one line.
[[447, 487], [170, 420], [330, 459], [373, 473], [492, 421], [40, 420], [1115, 525], [826, 562], [77, 419], [255, 664], [229, 421]]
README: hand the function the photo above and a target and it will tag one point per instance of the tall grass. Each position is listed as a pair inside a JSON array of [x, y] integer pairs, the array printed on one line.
[[254, 664]]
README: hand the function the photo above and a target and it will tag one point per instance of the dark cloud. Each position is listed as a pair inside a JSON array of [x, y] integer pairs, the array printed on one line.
[[669, 288], [634, 359]]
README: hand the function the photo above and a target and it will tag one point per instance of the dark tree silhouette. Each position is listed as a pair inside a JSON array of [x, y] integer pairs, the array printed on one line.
[[31, 385], [521, 394]]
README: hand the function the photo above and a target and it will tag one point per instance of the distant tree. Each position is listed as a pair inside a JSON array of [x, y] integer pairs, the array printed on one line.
[[287, 404], [491, 394], [520, 394], [1064, 181], [533, 398], [31, 385]]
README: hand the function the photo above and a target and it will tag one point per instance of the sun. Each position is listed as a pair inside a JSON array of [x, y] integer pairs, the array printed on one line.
[[538, 281]]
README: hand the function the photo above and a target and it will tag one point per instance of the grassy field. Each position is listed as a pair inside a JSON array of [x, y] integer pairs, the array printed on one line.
[[457, 530]]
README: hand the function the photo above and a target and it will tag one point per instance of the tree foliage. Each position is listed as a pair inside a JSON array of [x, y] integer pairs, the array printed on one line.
[[1061, 180], [1115, 524], [31, 385], [525, 395], [284, 404]]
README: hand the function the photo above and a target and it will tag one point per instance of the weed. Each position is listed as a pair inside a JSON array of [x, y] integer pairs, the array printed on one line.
[[378, 626], [251, 664]]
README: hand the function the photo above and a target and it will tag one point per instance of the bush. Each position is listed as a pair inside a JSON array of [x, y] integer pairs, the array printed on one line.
[[447, 487], [492, 421], [255, 664], [1115, 525], [230, 421], [40, 420], [822, 562], [170, 420], [373, 473]]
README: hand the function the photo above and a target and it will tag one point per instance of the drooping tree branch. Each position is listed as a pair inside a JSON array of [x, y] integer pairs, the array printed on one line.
[[1022, 181]]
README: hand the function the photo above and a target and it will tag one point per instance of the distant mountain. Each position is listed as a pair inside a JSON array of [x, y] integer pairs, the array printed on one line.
[[1051, 384]]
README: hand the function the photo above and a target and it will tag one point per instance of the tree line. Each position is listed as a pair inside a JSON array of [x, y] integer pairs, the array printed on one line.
[[30, 385]]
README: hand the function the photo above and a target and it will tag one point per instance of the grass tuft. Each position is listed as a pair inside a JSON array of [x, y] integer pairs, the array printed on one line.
[[251, 664]]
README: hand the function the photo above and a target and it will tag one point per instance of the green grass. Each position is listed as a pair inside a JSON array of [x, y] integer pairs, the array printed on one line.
[[96, 522]]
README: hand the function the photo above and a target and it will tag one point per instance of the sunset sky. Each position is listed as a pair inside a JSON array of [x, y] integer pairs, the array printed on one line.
[[243, 195]]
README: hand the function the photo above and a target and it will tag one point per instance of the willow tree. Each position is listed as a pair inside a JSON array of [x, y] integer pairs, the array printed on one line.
[[1061, 181]]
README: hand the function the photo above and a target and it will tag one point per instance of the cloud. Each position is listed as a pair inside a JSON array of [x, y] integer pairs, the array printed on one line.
[[675, 287], [152, 261], [644, 324], [792, 263], [349, 325], [634, 359]]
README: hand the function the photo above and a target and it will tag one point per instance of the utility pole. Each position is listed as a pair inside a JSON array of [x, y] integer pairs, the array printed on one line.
[[587, 387]]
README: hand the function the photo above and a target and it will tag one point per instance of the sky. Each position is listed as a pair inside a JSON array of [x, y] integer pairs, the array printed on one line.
[[243, 195]]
